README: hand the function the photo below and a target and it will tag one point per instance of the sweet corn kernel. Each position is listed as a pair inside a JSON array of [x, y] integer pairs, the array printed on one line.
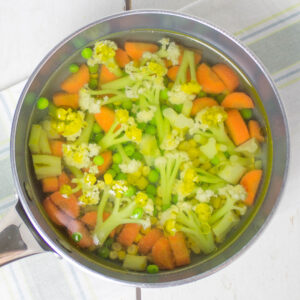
[[142, 183], [145, 230], [170, 226], [116, 246], [121, 255], [132, 249], [184, 146], [138, 173], [145, 170], [122, 115], [206, 166], [141, 199], [108, 179], [192, 143], [113, 255], [193, 153], [131, 179], [196, 162], [138, 238]]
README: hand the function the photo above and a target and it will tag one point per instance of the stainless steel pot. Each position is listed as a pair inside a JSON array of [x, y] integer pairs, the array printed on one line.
[[16, 239]]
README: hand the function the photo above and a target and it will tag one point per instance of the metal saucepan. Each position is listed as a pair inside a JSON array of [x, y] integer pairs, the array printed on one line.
[[37, 234]]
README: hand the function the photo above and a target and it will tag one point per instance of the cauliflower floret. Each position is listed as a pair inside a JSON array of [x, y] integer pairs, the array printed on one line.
[[146, 115], [149, 207], [79, 156], [204, 195], [168, 214], [177, 120], [172, 140], [169, 50], [178, 96], [236, 192], [88, 103], [132, 167], [94, 169]]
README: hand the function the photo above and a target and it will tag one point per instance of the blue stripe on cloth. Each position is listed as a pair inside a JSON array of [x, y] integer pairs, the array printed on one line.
[[269, 26], [78, 283], [287, 74], [6, 108]]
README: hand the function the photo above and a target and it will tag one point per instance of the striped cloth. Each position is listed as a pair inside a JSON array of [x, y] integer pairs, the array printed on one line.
[[271, 29]]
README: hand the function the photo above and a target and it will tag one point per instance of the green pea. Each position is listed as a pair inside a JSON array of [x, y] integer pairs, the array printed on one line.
[[103, 252], [98, 160], [76, 236], [141, 126], [121, 176], [246, 113], [108, 243], [93, 83], [164, 94], [137, 156], [151, 189], [129, 149], [96, 128], [226, 153], [150, 129], [117, 158], [202, 94], [116, 168], [112, 172], [178, 108], [220, 97], [137, 213], [42, 103], [87, 53], [164, 106], [98, 137], [93, 69], [73, 68], [127, 105], [152, 269], [215, 161], [152, 122], [153, 176], [130, 192], [174, 199]]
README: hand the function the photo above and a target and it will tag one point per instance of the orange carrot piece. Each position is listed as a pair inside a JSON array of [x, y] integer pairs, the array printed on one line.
[[237, 127], [250, 181], [162, 254], [56, 147], [76, 81], [128, 234], [63, 179], [106, 75], [238, 100], [147, 241], [107, 156], [76, 226], [255, 130], [55, 214], [66, 100], [122, 58], [105, 118], [179, 249], [50, 184], [201, 103], [209, 80], [68, 205], [135, 49], [227, 75], [90, 219], [172, 73]]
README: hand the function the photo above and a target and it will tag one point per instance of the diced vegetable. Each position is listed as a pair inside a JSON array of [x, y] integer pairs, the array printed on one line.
[[50, 184], [68, 204], [227, 75], [46, 165], [128, 234], [135, 50], [162, 254], [56, 147], [255, 131], [201, 103], [179, 249], [107, 157], [56, 215], [135, 262], [122, 58], [106, 76], [34, 138], [232, 173], [90, 219], [147, 241], [105, 118], [44, 143], [66, 100], [76, 226], [237, 100]]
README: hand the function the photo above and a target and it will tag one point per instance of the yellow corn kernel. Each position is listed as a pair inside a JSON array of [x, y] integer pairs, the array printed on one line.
[[138, 238], [132, 249], [141, 199], [122, 115], [170, 226], [153, 220], [131, 179], [108, 179], [138, 173], [145, 230], [196, 162], [193, 153], [116, 246], [206, 166], [142, 183], [192, 143], [184, 146], [113, 255], [121, 255], [145, 170]]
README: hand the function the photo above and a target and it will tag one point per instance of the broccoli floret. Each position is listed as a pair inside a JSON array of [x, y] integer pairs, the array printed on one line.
[[168, 166], [232, 195], [198, 232]]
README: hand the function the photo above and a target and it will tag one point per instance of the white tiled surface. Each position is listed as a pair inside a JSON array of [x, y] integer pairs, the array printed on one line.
[[270, 269]]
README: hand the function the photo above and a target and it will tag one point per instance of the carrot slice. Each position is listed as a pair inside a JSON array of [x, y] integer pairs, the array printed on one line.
[[106, 75], [122, 58], [50, 184], [237, 127], [135, 50], [105, 118], [128, 234], [238, 100], [55, 214], [179, 249], [56, 147], [162, 254], [66, 100], [147, 241], [201, 103], [255, 130], [90, 219], [67, 205], [63, 179], [172, 73], [227, 75], [107, 156], [209, 80], [250, 181], [76, 81], [76, 226]]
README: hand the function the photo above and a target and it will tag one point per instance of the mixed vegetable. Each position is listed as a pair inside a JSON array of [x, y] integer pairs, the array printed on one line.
[[147, 154]]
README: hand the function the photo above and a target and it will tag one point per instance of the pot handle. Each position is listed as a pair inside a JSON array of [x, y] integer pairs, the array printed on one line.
[[18, 238]]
